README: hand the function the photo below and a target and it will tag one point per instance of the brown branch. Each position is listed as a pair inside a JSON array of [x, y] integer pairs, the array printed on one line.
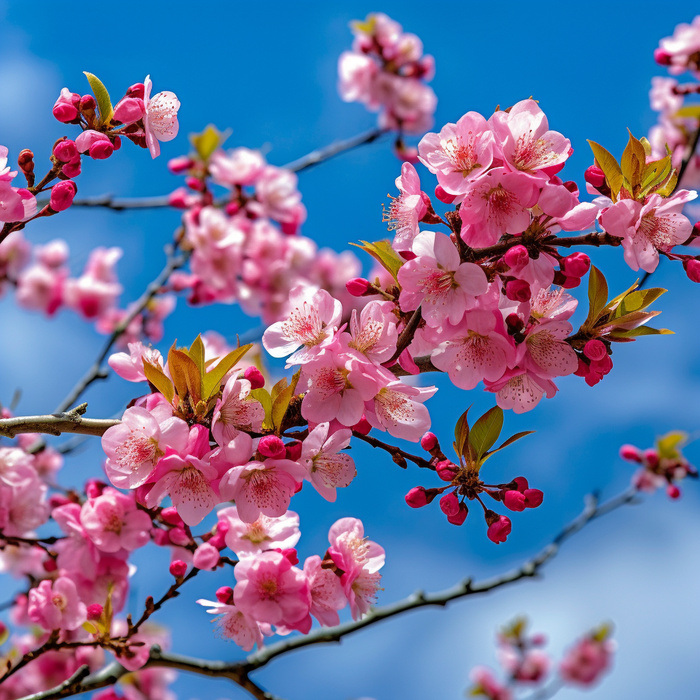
[[398, 455], [56, 423]]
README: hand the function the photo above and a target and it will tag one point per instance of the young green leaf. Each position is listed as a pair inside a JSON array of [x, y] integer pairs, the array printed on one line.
[[609, 166], [263, 396], [104, 103], [485, 431], [212, 379], [384, 254], [155, 375], [461, 433], [509, 441], [597, 295]]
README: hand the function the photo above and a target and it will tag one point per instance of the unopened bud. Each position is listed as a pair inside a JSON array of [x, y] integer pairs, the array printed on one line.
[[94, 611], [662, 57], [446, 470], [518, 290], [672, 491], [363, 426], [460, 516], [692, 269], [576, 264], [225, 595], [595, 350], [357, 286], [180, 164], [272, 446], [594, 176], [417, 497], [178, 568], [25, 160], [449, 504], [429, 441], [87, 103], [62, 195], [516, 257], [515, 323], [255, 377]]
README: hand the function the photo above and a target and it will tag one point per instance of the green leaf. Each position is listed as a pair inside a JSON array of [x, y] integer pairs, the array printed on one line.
[[655, 173], [208, 141], [104, 103], [667, 189], [609, 166], [688, 112], [384, 254], [212, 379], [461, 433], [282, 399], [196, 352], [637, 300], [485, 431], [278, 388], [509, 441], [668, 445], [155, 375], [633, 161], [185, 374], [632, 333], [263, 397], [597, 294]]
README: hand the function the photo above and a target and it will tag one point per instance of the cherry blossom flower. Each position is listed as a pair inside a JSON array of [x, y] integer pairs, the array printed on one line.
[[587, 661], [406, 210], [160, 118], [236, 410], [373, 332], [247, 539], [269, 589], [56, 605], [235, 624], [438, 282], [545, 351], [327, 595], [328, 468], [129, 365], [520, 389]]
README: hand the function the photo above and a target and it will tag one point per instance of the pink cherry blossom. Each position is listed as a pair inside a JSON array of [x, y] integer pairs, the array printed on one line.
[[235, 624], [526, 141], [188, 480], [438, 282], [134, 447], [478, 349], [327, 595], [680, 51], [160, 118], [521, 390], [373, 332], [269, 589], [113, 522], [587, 661], [406, 210], [240, 166], [658, 224], [247, 539], [495, 204], [545, 351], [276, 189], [460, 153], [16, 204], [236, 410], [56, 605], [311, 324], [328, 468], [262, 487]]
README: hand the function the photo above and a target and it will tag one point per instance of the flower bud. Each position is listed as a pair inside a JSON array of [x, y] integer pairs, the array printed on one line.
[[672, 491], [444, 196], [692, 269], [179, 536], [65, 151], [62, 195], [255, 377], [129, 110], [357, 286], [518, 290], [429, 441], [71, 169], [101, 150], [499, 529], [225, 595], [594, 176], [94, 611], [662, 57], [94, 488], [516, 257], [533, 498], [651, 457], [195, 183], [66, 107], [576, 264], [87, 103], [272, 446], [25, 161], [293, 450], [568, 282], [449, 504], [178, 568], [460, 516], [521, 483], [514, 500], [417, 497], [515, 323], [205, 557], [136, 90], [363, 427], [595, 350], [290, 554], [171, 516], [49, 565], [180, 164], [446, 470], [161, 537]]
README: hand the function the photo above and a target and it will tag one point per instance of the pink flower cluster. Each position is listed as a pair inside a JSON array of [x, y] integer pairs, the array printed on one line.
[[387, 71], [527, 666], [660, 467], [250, 251], [45, 285], [16, 203], [273, 595]]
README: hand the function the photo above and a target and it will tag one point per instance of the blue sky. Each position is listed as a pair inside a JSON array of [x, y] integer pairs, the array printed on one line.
[[269, 72]]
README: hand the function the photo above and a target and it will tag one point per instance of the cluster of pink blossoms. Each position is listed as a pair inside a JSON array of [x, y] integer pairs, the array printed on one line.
[[250, 251], [527, 666], [45, 284], [16, 203], [661, 466], [386, 71]]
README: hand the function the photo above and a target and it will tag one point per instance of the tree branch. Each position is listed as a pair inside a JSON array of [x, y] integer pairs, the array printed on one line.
[[56, 423], [238, 672]]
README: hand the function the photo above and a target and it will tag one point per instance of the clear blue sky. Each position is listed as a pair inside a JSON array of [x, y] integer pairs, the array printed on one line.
[[268, 71]]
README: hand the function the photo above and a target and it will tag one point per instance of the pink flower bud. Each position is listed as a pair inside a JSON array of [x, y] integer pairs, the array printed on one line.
[[161, 537], [499, 530], [293, 450], [94, 611], [449, 504], [194, 183], [71, 169], [417, 497], [446, 470], [692, 269], [569, 282], [516, 257], [357, 286], [205, 557], [179, 198], [291, 555], [363, 426], [444, 196], [595, 349], [514, 500], [225, 595], [533, 498], [460, 516], [180, 164], [62, 195], [25, 160], [66, 107], [101, 150], [429, 441], [65, 151], [672, 491], [651, 457], [178, 568], [515, 323], [171, 516], [662, 57], [255, 377], [603, 366], [272, 446], [136, 90], [50, 565], [179, 537], [87, 103], [576, 264], [129, 110], [518, 290], [521, 483], [57, 500], [94, 488], [594, 176]]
